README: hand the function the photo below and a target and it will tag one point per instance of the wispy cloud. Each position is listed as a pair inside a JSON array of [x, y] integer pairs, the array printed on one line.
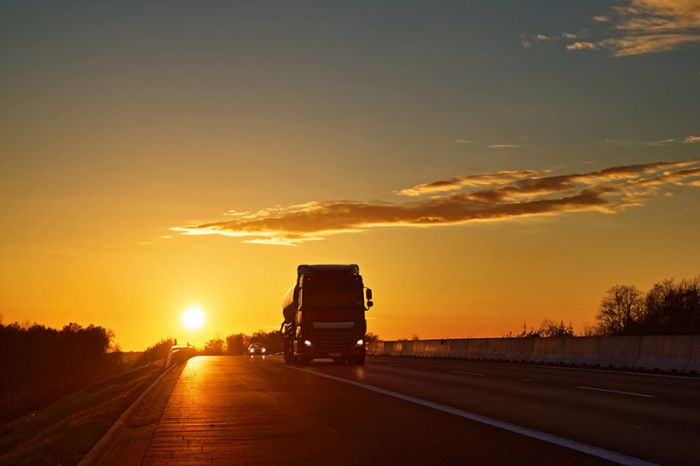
[[639, 27], [629, 141], [503, 177], [581, 46], [633, 27], [466, 141], [484, 197], [504, 146]]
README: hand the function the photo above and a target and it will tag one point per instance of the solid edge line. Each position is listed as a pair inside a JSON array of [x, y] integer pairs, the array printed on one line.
[[93, 456], [619, 392], [609, 455]]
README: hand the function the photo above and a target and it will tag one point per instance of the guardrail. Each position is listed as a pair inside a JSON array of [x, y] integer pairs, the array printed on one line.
[[677, 353], [179, 353]]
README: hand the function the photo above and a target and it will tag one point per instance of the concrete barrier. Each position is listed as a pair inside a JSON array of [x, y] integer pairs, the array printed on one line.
[[668, 353], [548, 350], [375, 348], [671, 353], [619, 352], [444, 348], [477, 348], [581, 351], [694, 361], [460, 348], [510, 349]]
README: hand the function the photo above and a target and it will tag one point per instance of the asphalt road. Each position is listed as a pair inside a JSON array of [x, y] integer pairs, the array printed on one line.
[[258, 411]]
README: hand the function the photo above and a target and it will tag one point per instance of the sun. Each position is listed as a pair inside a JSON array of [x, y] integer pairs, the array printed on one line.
[[193, 318]]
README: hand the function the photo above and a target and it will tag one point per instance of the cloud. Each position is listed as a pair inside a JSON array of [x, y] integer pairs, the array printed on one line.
[[504, 146], [528, 40], [503, 177], [582, 46], [639, 27], [691, 139], [466, 141], [628, 141], [497, 196]]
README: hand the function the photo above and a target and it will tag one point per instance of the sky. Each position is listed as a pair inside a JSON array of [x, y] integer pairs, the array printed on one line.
[[486, 163]]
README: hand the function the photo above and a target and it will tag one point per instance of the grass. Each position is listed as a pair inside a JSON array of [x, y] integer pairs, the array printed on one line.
[[63, 432]]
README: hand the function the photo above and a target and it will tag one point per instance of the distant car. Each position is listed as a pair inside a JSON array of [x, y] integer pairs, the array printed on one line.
[[256, 348]]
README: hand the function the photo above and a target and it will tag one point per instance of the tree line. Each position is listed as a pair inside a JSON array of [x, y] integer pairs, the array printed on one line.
[[669, 307], [237, 343], [39, 364]]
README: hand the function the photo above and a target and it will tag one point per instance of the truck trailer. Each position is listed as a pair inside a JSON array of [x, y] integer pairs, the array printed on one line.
[[324, 315]]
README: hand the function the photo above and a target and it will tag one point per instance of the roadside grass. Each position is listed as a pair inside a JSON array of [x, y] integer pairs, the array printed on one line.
[[63, 432]]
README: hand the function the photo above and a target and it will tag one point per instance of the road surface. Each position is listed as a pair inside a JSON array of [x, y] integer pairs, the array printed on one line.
[[259, 411]]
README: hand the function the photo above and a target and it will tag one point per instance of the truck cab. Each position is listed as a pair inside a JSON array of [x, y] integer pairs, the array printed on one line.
[[324, 315]]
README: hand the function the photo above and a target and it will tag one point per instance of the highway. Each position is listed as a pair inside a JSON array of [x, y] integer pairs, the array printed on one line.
[[259, 411]]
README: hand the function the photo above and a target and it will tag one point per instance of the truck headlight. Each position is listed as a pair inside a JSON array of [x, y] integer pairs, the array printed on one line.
[[307, 343], [360, 342]]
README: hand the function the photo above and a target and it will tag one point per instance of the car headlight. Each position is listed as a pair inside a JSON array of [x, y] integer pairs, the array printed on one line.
[[307, 343], [360, 342], [263, 350]]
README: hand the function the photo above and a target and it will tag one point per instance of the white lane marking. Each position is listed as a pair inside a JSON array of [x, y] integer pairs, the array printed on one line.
[[643, 395], [467, 373], [609, 455]]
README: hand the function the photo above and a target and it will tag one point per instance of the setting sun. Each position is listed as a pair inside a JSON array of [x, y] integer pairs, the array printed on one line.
[[193, 318]]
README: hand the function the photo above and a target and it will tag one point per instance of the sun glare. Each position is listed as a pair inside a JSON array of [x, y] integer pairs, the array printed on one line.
[[193, 318]]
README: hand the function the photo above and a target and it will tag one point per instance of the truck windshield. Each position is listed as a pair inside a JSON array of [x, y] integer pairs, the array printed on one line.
[[332, 297]]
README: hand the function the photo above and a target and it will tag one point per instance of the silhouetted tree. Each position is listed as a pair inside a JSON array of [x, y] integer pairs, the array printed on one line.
[[621, 308], [236, 343], [550, 328], [156, 351], [39, 364], [672, 308], [214, 346]]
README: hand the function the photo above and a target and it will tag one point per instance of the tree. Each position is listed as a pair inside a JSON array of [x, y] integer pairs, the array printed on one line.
[[672, 308], [550, 328], [214, 346], [621, 308], [236, 343]]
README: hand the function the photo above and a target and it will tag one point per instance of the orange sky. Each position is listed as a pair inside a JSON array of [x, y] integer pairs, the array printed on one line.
[[464, 157]]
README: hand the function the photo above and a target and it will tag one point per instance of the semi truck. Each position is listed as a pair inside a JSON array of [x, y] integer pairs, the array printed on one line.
[[324, 315]]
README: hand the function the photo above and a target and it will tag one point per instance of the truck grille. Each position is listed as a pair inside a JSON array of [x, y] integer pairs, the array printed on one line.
[[334, 340]]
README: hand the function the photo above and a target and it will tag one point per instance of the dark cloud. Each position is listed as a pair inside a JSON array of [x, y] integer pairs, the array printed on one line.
[[486, 197]]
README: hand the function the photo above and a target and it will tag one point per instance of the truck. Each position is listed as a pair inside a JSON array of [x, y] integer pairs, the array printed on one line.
[[324, 315]]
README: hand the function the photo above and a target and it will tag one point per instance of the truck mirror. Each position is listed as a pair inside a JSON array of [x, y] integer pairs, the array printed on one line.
[[369, 294], [369, 304]]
